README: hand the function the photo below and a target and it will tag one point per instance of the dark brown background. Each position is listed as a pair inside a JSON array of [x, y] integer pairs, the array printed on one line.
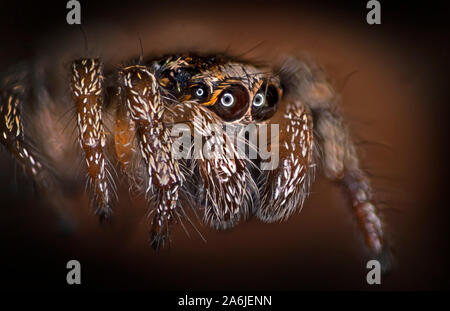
[[391, 78]]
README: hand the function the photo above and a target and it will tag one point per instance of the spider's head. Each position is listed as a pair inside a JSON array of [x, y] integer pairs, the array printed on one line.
[[235, 91]]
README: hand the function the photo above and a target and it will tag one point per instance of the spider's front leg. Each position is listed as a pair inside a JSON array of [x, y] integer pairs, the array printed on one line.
[[340, 162], [336, 151], [143, 101], [88, 96]]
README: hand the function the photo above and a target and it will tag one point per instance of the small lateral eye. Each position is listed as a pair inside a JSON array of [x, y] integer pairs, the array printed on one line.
[[232, 103], [259, 100], [265, 102], [200, 91]]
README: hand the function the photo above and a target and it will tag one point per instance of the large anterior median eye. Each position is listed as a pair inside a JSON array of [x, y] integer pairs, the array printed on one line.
[[227, 100], [232, 103], [265, 102]]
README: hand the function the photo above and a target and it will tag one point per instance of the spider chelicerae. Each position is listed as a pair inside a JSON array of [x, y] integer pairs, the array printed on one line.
[[125, 119]]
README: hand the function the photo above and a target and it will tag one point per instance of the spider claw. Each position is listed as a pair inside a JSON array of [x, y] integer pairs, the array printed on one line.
[[158, 241], [104, 214], [158, 235], [386, 260]]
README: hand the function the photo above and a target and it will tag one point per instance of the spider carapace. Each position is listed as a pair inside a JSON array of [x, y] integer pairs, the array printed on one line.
[[125, 119]]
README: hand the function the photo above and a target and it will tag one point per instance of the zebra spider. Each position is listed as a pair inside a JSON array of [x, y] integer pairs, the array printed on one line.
[[147, 98]]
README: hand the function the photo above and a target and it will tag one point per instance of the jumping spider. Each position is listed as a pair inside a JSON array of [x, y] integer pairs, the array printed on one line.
[[148, 97]]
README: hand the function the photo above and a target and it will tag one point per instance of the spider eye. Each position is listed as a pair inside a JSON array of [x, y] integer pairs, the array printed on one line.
[[232, 103], [200, 91], [227, 100], [265, 103], [259, 100]]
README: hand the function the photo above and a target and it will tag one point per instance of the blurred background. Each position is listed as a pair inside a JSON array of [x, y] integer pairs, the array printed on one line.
[[393, 84]]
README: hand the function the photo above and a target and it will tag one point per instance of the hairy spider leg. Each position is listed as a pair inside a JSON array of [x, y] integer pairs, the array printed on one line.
[[340, 162], [338, 157], [142, 99], [88, 97], [12, 131], [14, 93]]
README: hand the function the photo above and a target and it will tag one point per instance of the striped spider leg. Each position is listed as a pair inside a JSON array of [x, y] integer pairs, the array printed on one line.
[[313, 130], [141, 96], [17, 104], [88, 96], [13, 94]]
